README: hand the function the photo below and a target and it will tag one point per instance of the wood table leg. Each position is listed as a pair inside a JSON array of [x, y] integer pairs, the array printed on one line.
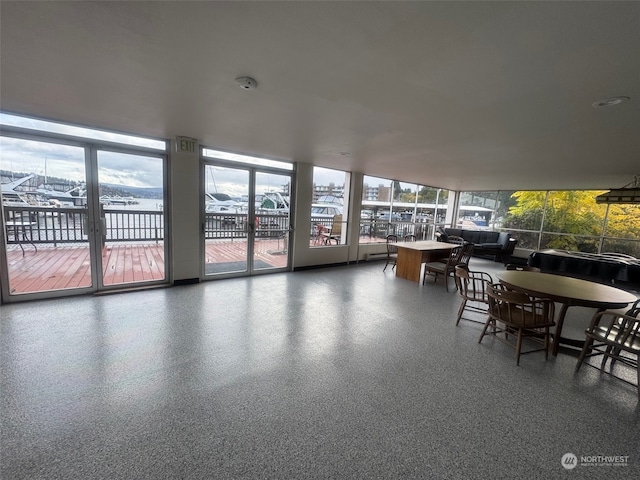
[[409, 264], [559, 324]]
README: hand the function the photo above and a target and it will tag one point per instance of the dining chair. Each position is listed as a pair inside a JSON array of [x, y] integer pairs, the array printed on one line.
[[455, 239], [465, 256], [392, 251], [446, 269], [467, 251], [615, 336], [518, 313], [410, 238], [472, 288]]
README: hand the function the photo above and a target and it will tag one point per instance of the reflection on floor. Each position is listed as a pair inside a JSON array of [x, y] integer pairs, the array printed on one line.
[[343, 372]]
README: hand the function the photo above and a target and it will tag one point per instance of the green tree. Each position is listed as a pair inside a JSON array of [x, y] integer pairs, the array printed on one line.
[[429, 195], [572, 219]]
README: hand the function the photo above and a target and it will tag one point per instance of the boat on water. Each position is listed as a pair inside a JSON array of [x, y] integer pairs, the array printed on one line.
[[221, 202], [11, 195], [327, 206], [75, 196], [15, 194], [274, 203], [44, 194], [118, 200]]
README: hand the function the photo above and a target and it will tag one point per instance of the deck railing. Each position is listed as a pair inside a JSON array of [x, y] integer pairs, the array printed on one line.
[[133, 225], [377, 228], [235, 225], [61, 225], [45, 224]]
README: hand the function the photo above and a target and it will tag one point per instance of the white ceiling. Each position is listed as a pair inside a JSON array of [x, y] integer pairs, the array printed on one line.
[[459, 95]]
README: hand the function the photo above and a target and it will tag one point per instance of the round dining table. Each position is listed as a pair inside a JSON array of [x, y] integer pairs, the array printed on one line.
[[567, 291]]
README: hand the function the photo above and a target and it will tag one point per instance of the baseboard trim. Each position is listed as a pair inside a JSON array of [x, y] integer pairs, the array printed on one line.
[[186, 281]]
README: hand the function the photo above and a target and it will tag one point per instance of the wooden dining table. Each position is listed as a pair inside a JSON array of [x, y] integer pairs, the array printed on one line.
[[567, 291], [411, 256]]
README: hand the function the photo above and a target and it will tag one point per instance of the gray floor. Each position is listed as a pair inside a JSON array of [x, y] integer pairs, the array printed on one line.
[[345, 372]]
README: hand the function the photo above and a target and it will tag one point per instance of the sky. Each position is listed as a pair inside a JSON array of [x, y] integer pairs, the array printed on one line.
[[64, 161]]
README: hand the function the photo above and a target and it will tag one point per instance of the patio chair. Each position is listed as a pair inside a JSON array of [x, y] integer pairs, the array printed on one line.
[[333, 234], [521, 314], [615, 336], [392, 251], [320, 232], [472, 288]]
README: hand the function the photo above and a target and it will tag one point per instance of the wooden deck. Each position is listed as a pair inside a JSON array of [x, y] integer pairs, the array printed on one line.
[[66, 267]]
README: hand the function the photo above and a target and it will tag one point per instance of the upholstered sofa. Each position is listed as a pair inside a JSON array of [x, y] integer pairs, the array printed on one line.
[[499, 245], [609, 268]]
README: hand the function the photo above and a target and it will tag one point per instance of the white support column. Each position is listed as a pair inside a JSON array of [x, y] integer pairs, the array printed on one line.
[[185, 210]]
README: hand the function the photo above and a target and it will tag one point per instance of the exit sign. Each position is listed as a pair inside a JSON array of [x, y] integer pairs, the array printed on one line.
[[186, 145]]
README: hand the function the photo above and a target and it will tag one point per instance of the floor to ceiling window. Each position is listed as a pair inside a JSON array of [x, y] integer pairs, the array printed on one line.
[[400, 208], [565, 220], [330, 207], [82, 209]]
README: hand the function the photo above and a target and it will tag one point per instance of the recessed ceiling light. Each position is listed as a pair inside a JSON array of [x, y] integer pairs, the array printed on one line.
[[609, 102]]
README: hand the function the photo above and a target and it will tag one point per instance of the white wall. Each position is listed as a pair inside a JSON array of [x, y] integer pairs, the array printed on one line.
[[184, 178]]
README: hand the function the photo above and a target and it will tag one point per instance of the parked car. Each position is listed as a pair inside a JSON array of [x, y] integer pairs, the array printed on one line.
[[395, 217]]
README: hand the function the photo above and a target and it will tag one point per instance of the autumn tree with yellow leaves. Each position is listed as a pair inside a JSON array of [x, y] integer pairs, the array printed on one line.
[[574, 221]]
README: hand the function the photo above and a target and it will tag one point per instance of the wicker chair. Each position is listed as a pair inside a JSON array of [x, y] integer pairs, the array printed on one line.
[[472, 288], [615, 336], [519, 314], [392, 251]]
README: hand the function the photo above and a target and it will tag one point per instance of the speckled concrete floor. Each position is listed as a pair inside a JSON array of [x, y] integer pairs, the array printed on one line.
[[345, 372]]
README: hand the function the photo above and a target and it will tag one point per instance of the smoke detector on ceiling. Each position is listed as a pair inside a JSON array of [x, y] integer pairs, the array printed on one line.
[[247, 83]]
